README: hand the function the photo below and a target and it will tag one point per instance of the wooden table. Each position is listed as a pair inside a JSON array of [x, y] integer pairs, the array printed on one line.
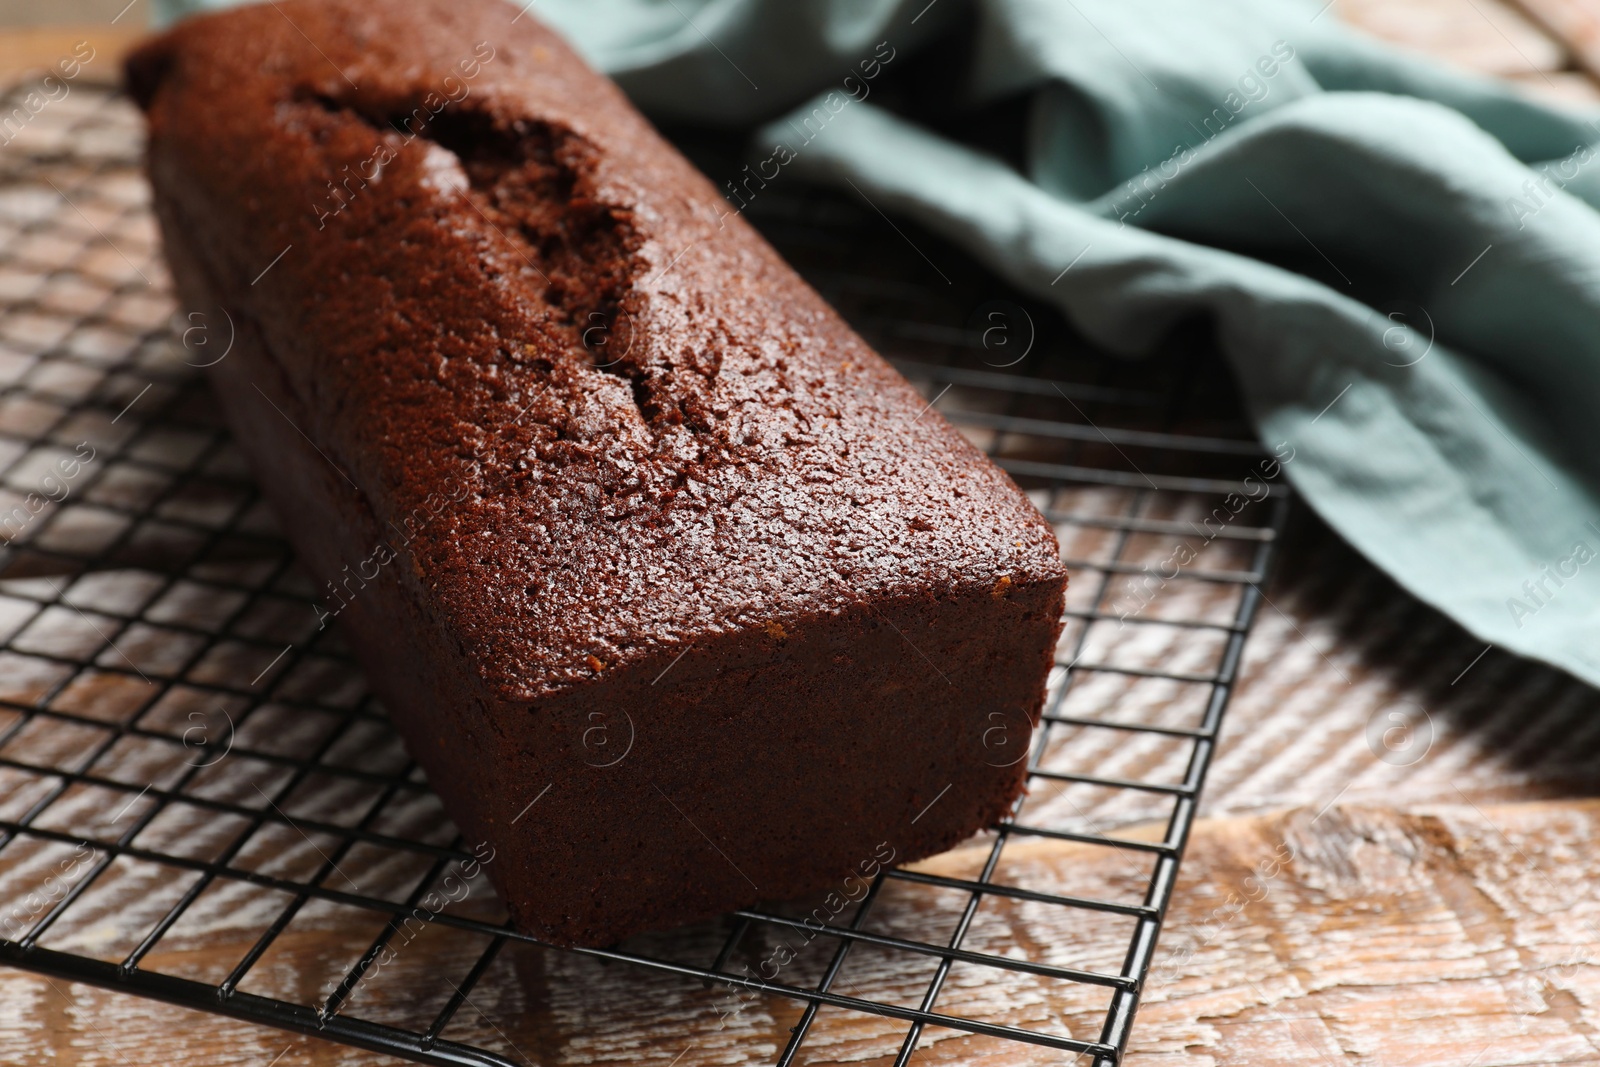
[[1334, 908]]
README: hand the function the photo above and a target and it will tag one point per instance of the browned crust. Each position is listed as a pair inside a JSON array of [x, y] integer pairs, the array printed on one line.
[[737, 479]]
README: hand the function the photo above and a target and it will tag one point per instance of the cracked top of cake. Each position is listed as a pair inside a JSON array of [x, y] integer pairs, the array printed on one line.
[[595, 411]]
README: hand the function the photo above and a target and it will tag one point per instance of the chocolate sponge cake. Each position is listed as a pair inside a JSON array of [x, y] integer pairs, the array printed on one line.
[[675, 590]]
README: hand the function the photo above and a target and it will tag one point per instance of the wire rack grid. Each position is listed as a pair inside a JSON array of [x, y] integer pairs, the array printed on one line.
[[191, 770]]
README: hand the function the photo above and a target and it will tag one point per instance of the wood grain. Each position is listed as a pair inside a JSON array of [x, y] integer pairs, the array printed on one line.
[[1455, 935], [1491, 36], [1576, 23]]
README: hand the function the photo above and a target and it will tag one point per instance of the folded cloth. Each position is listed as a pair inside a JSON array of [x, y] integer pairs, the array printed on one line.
[[1402, 262]]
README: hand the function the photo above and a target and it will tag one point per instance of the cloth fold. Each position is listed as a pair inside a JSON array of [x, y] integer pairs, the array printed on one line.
[[1402, 262]]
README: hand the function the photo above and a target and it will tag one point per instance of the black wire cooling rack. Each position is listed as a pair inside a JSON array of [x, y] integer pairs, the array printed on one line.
[[186, 760]]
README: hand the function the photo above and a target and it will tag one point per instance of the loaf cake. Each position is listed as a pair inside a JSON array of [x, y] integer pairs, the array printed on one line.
[[675, 589]]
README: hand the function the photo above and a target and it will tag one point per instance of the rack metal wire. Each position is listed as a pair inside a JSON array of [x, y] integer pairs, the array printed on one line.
[[175, 730]]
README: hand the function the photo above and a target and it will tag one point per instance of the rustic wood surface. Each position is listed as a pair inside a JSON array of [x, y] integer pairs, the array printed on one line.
[[1426, 903], [29, 52], [1455, 935], [1576, 23]]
